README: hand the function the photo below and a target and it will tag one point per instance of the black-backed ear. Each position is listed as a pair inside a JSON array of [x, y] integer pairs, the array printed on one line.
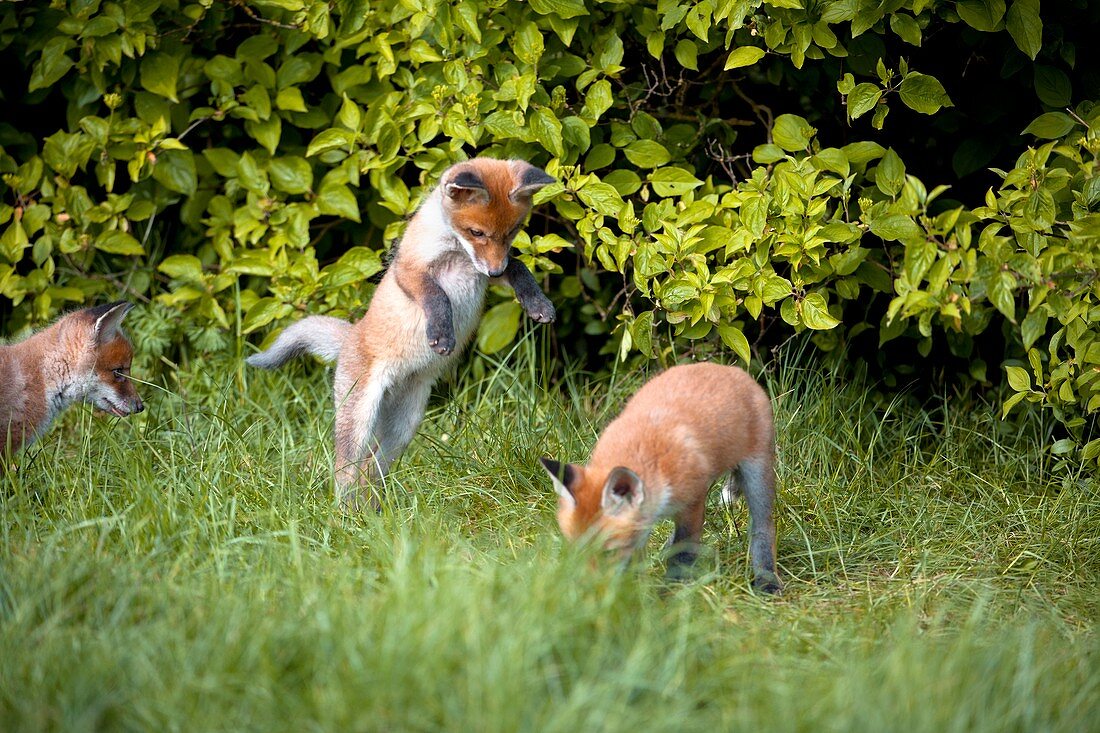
[[622, 489], [108, 319], [465, 186], [564, 476], [531, 180]]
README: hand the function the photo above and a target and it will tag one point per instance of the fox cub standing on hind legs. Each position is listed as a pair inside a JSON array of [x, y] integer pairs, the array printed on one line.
[[658, 459], [82, 357], [422, 313]]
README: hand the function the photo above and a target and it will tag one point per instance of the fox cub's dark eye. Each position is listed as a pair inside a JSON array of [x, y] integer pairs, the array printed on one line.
[[476, 233], [119, 373]]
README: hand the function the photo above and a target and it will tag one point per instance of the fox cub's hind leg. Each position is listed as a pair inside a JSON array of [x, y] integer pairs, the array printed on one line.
[[358, 404], [756, 479]]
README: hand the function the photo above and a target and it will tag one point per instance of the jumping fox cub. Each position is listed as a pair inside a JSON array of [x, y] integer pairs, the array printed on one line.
[[658, 459], [82, 357], [422, 313]]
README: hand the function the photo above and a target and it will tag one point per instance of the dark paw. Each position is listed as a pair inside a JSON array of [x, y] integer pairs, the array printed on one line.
[[541, 311], [767, 583], [441, 341]]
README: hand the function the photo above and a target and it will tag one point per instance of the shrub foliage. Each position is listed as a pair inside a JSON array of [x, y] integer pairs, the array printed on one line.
[[725, 166]]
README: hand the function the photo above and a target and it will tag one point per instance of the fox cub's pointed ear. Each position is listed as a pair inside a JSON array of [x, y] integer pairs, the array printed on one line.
[[564, 476], [623, 489], [108, 319], [464, 186], [531, 179]]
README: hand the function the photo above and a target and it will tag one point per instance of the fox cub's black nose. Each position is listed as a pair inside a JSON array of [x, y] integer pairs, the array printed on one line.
[[139, 406], [496, 273]]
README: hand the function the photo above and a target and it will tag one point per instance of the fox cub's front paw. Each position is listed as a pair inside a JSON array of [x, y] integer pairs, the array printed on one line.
[[541, 310], [442, 340]]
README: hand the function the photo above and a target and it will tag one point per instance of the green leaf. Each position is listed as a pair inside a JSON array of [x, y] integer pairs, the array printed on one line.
[[862, 152], [919, 256], [896, 227], [338, 200], [792, 133], [1050, 126], [815, 313], [687, 53], [1040, 209], [768, 153], [332, 139], [863, 99], [1025, 26], [499, 327], [547, 128], [890, 173], [562, 8], [187, 268], [175, 170], [1053, 86], [733, 337], [602, 197], [119, 243], [263, 312], [13, 242], [982, 15], [53, 64], [671, 181], [1002, 293], [923, 93], [646, 154], [642, 332], [290, 100], [743, 56], [354, 266], [906, 28], [159, 73], [1018, 378], [1063, 446], [291, 174]]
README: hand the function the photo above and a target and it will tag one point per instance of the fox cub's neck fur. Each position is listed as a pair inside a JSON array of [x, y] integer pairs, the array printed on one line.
[[83, 357]]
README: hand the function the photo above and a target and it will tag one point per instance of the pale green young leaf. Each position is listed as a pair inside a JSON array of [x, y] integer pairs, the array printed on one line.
[[743, 56]]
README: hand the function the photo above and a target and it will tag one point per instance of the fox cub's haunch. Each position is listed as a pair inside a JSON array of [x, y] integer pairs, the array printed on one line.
[[423, 312], [83, 357], [681, 431]]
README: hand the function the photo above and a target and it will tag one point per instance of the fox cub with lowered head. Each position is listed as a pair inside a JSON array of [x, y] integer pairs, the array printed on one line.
[[83, 357], [423, 312], [681, 431]]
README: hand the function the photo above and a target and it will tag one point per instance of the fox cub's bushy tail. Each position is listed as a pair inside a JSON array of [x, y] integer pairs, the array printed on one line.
[[321, 336]]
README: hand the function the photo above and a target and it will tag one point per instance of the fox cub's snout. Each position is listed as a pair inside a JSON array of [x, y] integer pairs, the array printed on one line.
[[109, 387]]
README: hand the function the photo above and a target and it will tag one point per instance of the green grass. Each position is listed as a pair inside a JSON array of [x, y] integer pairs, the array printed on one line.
[[187, 570]]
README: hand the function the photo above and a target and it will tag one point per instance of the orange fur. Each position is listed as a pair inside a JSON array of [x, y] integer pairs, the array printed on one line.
[[423, 312], [83, 356], [682, 430]]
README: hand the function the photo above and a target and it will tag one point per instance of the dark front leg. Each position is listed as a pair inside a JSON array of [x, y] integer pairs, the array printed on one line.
[[528, 292], [683, 545], [433, 300]]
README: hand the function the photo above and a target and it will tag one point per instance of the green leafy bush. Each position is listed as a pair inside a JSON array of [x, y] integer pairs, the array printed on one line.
[[239, 163]]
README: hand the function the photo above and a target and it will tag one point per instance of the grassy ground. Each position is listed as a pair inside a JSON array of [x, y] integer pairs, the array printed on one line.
[[187, 570]]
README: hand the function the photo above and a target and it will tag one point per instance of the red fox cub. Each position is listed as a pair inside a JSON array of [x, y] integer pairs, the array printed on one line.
[[423, 312], [82, 357], [658, 459]]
